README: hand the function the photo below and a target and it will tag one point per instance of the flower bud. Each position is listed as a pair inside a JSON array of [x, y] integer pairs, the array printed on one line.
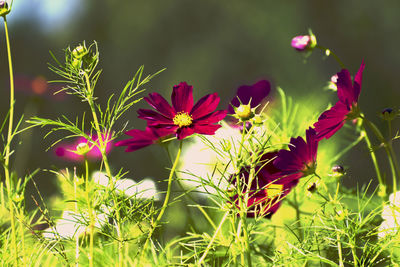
[[79, 52], [244, 112], [4, 9], [304, 42], [338, 169], [82, 149], [388, 114]]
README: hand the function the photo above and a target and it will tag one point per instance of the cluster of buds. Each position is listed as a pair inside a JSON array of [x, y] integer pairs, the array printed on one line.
[[4, 8], [82, 58]]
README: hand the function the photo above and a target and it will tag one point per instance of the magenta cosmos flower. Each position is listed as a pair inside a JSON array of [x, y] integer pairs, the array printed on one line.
[[255, 93], [345, 109], [268, 189], [69, 150], [143, 138], [183, 118], [300, 160]]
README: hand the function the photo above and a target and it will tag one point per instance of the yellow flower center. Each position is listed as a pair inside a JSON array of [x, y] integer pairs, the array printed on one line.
[[182, 119], [274, 189]]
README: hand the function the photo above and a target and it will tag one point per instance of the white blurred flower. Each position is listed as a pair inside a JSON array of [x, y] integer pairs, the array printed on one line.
[[145, 189], [72, 224], [391, 216], [201, 165]]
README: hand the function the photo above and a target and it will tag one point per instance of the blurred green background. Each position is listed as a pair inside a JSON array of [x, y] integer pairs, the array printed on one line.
[[214, 45]]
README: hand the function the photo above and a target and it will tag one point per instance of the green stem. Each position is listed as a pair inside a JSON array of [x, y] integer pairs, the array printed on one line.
[[296, 207], [103, 145], [373, 155], [213, 238], [166, 200], [90, 211], [76, 212], [323, 48], [8, 145], [389, 151]]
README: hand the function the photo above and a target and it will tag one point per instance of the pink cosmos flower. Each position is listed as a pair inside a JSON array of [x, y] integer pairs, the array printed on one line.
[[345, 109], [300, 160], [267, 190], [183, 118], [144, 138], [66, 150]]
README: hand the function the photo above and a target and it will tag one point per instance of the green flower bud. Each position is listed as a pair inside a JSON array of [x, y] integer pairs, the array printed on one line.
[[80, 51], [82, 149], [244, 112]]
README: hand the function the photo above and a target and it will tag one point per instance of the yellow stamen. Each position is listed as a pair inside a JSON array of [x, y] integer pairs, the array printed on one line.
[[182, 119]]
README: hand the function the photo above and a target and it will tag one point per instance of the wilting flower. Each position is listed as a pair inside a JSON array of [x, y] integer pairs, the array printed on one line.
[[73, 151], [267, 189], [145, 189], [183, 118], [304, 42], [208, 168], [300, 160], [391, 216], [346, 108], [73, 224], [143, 138]]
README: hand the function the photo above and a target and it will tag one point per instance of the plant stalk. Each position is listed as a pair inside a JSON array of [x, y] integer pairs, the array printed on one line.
[[8, 145]]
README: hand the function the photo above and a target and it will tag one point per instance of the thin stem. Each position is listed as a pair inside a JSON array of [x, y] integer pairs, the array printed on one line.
[[76, 212], [166, 200], [296, 207], [213, 238], [90, 210], [103, 145], [389, 151], [325, 49], [339, 250], [373, 155], [9, 139]]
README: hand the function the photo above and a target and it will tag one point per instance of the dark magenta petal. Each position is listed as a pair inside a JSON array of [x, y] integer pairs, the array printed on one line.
[[311, 137], [256, 92], [331, 121], [345, 88], [153, 117], [358, 80], [205, 105], [212, 117], [160, 104], [182, 97], [184, 132], [208, 129]]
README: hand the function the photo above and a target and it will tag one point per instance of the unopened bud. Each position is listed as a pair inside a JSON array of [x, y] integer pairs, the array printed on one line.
[[79, 52], [82, 149], [304, 42], [244, 112], [388, 114], [4, 9]]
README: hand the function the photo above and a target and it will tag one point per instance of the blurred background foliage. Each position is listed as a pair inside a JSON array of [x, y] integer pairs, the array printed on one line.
[[214, 45]]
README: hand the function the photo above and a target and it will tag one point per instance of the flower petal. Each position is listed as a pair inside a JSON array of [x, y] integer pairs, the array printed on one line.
[[154, 118], [331, 120], [357, 81], [184, 132], [206, 129], [160, 104], [256, 92], [212, 117], [205, 105], [182, 97]]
